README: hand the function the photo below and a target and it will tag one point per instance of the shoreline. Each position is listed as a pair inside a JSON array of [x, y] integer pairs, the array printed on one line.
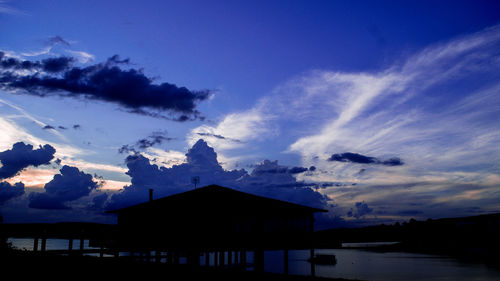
[[56, 266]]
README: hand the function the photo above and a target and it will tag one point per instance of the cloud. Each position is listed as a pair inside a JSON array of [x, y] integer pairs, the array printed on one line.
[[438, 107], [49, 65], [272, 167], [268, 178], [425, 198], [71, 184], [81, 56], [297, 170], [8, 191], [156, 138], [48, 127], [390, 109], [361, 210], [107, 81], [235, 130], [353, 157], [98, 201], [362, 159], [218, 137], [52, 41], [6, 9], [23, 155], [57, 65]]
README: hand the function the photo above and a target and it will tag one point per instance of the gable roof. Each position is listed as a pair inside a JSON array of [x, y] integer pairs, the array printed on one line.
[[219, 197]]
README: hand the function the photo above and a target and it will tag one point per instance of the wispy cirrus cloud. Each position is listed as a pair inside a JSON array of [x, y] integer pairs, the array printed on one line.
[[235, 129], [6, 8], [81, 56], [435, 110]]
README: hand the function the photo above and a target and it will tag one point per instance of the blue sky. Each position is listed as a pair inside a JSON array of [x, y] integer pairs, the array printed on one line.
[[375, 110]]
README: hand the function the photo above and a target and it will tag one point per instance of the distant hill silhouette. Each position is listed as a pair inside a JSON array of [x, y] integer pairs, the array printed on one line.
[[469, 237]]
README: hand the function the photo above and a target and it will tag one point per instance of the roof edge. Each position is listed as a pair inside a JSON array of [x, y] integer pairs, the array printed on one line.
[[312, 209]]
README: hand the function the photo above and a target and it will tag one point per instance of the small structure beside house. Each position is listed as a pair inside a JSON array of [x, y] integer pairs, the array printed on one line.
[[216, 225]]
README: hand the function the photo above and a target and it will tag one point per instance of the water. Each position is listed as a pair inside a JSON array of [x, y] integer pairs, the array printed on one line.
[[390, 266], [51, 244], [351, 264]]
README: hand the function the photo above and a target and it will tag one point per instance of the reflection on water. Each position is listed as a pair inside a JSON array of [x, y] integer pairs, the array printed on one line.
[[351, 264], [52, 244], [367, 244], [367, 265]]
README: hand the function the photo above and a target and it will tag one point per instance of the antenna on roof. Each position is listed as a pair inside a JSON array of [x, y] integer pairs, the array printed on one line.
[[195, 180]]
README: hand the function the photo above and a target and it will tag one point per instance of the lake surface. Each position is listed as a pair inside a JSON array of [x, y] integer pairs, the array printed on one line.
[[391, 266], [351, 264]]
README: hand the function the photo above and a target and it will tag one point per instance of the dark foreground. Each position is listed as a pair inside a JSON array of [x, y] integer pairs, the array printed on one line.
[[41, 266]]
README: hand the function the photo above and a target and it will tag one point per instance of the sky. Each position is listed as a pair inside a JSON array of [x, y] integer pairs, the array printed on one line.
[[377, 111]]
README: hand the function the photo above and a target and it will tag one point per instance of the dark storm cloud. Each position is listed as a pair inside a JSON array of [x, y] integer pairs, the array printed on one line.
[[353, 157], [195, 115], [221, 137], [392, 162], [48, 127], [12, 64], [71, 184], [107, 81], [362, 159], [98, 201], [266, 179], [8, 191], [50, 65], [23, 155], [116, 60], [55, 65], [56, 40], [361, 210], [297, 170], [271, 167], [156, 138]]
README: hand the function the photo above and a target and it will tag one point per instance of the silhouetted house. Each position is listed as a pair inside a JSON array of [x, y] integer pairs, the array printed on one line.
[[214, 219]]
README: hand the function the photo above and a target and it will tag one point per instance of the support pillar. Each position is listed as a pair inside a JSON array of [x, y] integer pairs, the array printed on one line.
[[131, 255], [35, 244], [236, 258], [311, 233], [243, 259], [221, 258], [313, 266], [207, 258], [285, 257], [70, 245], [193, 258], [176, 258], [259, 260], [157, 256], [82, 244], [44, 244]]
